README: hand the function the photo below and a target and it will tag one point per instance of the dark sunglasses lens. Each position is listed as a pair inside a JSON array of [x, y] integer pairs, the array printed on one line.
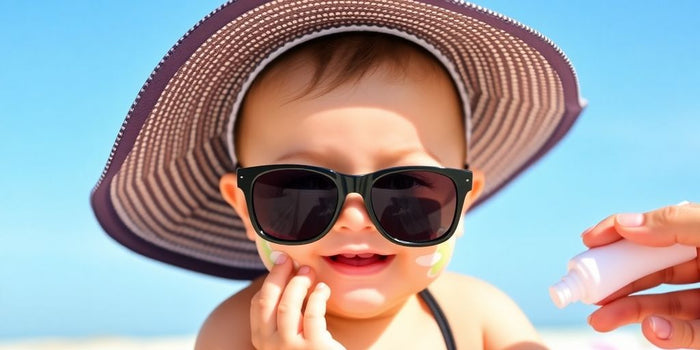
[[415, 206], [294, 204]]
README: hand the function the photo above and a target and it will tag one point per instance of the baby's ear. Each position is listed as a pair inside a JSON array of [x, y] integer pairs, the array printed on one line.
[[478, 182], [228, 186]]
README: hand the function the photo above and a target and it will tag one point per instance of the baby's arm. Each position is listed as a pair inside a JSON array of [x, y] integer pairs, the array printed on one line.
[[228, 326]]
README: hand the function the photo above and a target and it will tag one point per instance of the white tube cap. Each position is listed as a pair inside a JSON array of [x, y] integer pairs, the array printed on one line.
[[566, 291]]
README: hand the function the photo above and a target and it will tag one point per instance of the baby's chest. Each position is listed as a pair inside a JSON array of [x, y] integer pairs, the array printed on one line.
[[430, 340], [422, 335]]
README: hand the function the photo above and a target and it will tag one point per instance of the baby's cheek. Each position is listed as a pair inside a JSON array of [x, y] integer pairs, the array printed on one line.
[[438, 260]]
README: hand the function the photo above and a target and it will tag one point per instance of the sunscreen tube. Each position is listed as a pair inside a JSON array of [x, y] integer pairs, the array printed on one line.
[[598, 272]]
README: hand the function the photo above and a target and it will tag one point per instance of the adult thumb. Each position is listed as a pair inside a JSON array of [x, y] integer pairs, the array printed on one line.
[[671, 333]]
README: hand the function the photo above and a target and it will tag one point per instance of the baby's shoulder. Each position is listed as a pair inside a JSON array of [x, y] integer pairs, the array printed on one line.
[[472, 304], [228, 326], [463, 290], [466, 299], [469, 296]]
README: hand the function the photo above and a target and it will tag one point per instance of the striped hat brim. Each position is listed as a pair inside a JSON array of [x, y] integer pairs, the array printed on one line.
[[159, 192]]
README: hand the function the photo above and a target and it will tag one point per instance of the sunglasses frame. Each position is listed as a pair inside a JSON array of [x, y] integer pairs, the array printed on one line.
[[361, 184]]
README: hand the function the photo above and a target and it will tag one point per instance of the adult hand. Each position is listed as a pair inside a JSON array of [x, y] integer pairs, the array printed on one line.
[[669, 320], [278, 317]]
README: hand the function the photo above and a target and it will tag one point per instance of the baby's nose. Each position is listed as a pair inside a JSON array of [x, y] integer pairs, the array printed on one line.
[[353, 215]]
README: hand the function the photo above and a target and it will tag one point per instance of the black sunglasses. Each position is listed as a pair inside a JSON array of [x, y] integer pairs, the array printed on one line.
[[409, 205]]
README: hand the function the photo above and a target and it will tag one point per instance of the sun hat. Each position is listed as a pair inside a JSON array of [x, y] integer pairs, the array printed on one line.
[[158, 194]]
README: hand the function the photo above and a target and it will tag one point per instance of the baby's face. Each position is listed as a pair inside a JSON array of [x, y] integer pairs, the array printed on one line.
[[383, 120]]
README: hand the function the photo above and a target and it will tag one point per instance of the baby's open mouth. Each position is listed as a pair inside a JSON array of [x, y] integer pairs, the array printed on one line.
[[363, 259], [359, 264]]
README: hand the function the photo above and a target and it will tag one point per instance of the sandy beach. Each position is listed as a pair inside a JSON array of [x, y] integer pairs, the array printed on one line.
[[103, 343], [564, 339]]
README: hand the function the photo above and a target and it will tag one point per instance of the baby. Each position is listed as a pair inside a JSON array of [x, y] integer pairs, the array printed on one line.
[[356, 104], [337, 145]]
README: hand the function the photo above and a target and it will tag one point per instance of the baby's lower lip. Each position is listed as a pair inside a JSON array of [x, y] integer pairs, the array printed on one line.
[[359, 265]]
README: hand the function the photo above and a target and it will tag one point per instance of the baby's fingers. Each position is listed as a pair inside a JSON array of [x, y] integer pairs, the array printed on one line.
[[662, 227], [289, 319], [263, 306], [315, 314]]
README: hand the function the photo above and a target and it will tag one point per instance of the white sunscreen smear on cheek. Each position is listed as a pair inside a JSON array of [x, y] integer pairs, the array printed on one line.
[[429, 260], [438, 260]]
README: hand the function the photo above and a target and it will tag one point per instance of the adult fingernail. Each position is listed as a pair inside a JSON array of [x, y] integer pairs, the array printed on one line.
[[682, 203], [587, 230], [660, 327], [630, 219], [278, 257]]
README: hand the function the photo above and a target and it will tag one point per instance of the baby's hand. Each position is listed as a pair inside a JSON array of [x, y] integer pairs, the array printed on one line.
[[278, 318]]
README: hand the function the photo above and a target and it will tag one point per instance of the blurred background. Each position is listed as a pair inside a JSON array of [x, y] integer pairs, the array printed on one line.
[[70, 70]]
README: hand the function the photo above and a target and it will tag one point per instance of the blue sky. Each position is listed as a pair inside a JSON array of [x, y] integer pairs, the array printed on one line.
[[70, 70]]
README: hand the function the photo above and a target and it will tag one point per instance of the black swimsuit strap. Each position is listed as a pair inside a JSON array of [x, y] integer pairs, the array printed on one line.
[[439, 317]]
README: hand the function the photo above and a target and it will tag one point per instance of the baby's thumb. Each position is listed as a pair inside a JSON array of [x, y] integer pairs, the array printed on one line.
[[670, 333]]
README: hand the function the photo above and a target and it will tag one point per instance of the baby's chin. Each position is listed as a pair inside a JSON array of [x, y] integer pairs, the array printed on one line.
[[362, 303]]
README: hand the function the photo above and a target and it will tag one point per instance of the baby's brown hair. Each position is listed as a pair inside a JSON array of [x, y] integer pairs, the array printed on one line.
[[347, 57]]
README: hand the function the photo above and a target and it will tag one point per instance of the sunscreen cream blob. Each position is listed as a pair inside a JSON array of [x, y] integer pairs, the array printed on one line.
[[598, 272]]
